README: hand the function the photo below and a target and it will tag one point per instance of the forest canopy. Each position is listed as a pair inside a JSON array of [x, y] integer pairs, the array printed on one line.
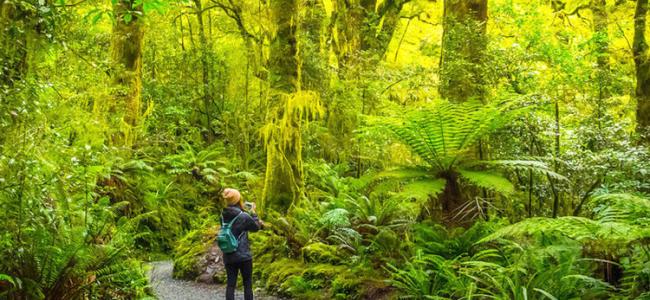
[[396, 149]]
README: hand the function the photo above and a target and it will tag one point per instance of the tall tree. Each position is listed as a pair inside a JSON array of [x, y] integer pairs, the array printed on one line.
[[642, 63], [463, 49], [205, 70], [601, 42], [290, 105], [127, 46], [283, 181], [601, 36]]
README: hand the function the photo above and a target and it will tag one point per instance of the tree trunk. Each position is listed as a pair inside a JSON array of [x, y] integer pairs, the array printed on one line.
[[463, 49], [361, 32], [451, 202], [283, 179], [313, 56], [13, 43], [642, 63], [601, 35], [127, 43], [601, 41], [205, 72], [283, 65]]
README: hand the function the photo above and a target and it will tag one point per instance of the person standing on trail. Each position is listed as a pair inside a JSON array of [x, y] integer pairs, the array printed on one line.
[[237, 219]]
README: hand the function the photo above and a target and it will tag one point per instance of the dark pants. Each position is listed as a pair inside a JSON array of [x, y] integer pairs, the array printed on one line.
[[246, 268]]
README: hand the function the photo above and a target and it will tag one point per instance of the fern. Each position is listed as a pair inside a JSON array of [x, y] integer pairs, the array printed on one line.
[[403, 173], [627, 208], [422, 189], [536, 166], [488, 180], [620, 219], [444, 133]]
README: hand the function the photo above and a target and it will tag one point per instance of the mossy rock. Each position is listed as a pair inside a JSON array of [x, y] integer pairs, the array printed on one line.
[[196, 257], [278, 272], [321, 253]]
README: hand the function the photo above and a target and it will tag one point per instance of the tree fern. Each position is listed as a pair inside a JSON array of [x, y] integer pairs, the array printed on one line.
[[444, 136]]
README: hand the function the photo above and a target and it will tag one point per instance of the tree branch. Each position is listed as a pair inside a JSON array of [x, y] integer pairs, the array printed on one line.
[[234, 12]]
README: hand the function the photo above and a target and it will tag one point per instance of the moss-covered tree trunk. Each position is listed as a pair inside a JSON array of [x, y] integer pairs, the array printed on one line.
[[13, 43], [283, 65], [463, 50], [642, 63], [364, 29], [127, 44], [283, 183], [379, 25], [601, 35], [312, 53]]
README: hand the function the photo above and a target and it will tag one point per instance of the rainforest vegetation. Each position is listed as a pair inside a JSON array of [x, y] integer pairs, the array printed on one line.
[[420, 149]]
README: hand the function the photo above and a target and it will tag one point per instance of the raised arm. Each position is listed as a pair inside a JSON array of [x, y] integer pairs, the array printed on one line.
[[253, 222]]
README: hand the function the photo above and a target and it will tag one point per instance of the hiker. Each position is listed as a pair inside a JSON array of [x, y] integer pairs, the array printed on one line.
[[237, 219]]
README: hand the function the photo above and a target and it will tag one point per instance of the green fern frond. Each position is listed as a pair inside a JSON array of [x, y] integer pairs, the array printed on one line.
[[581, 229], [626, 208], [536, 166], [421, 189], [403, 173], [489, 180], [442, 134], [575, 227]]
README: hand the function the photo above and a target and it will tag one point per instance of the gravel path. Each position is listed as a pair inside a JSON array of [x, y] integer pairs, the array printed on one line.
[[168, 288]]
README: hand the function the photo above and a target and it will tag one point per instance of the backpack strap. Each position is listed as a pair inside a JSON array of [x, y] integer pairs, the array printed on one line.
[[231, 221]]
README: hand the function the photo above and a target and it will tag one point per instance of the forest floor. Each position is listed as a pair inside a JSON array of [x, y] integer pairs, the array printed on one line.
[[167, 288]]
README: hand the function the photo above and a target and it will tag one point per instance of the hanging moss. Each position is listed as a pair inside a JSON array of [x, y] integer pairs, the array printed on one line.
[[282, 135], [126, 55]]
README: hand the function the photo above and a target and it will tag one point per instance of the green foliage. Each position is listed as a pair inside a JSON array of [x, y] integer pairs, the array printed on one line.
[[616, 223], [512, 272]]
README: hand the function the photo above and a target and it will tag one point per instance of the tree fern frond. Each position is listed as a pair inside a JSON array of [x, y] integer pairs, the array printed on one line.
[[621, 208], [527, 165], [403, 173], [442, 134], [421, 189], [608, 234], [574, 227], [489, 180]]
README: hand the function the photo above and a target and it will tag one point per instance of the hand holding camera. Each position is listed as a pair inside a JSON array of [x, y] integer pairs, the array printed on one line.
[[250, 206]]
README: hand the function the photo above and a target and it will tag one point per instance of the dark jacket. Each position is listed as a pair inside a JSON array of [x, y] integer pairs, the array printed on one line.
[[242, 226]]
